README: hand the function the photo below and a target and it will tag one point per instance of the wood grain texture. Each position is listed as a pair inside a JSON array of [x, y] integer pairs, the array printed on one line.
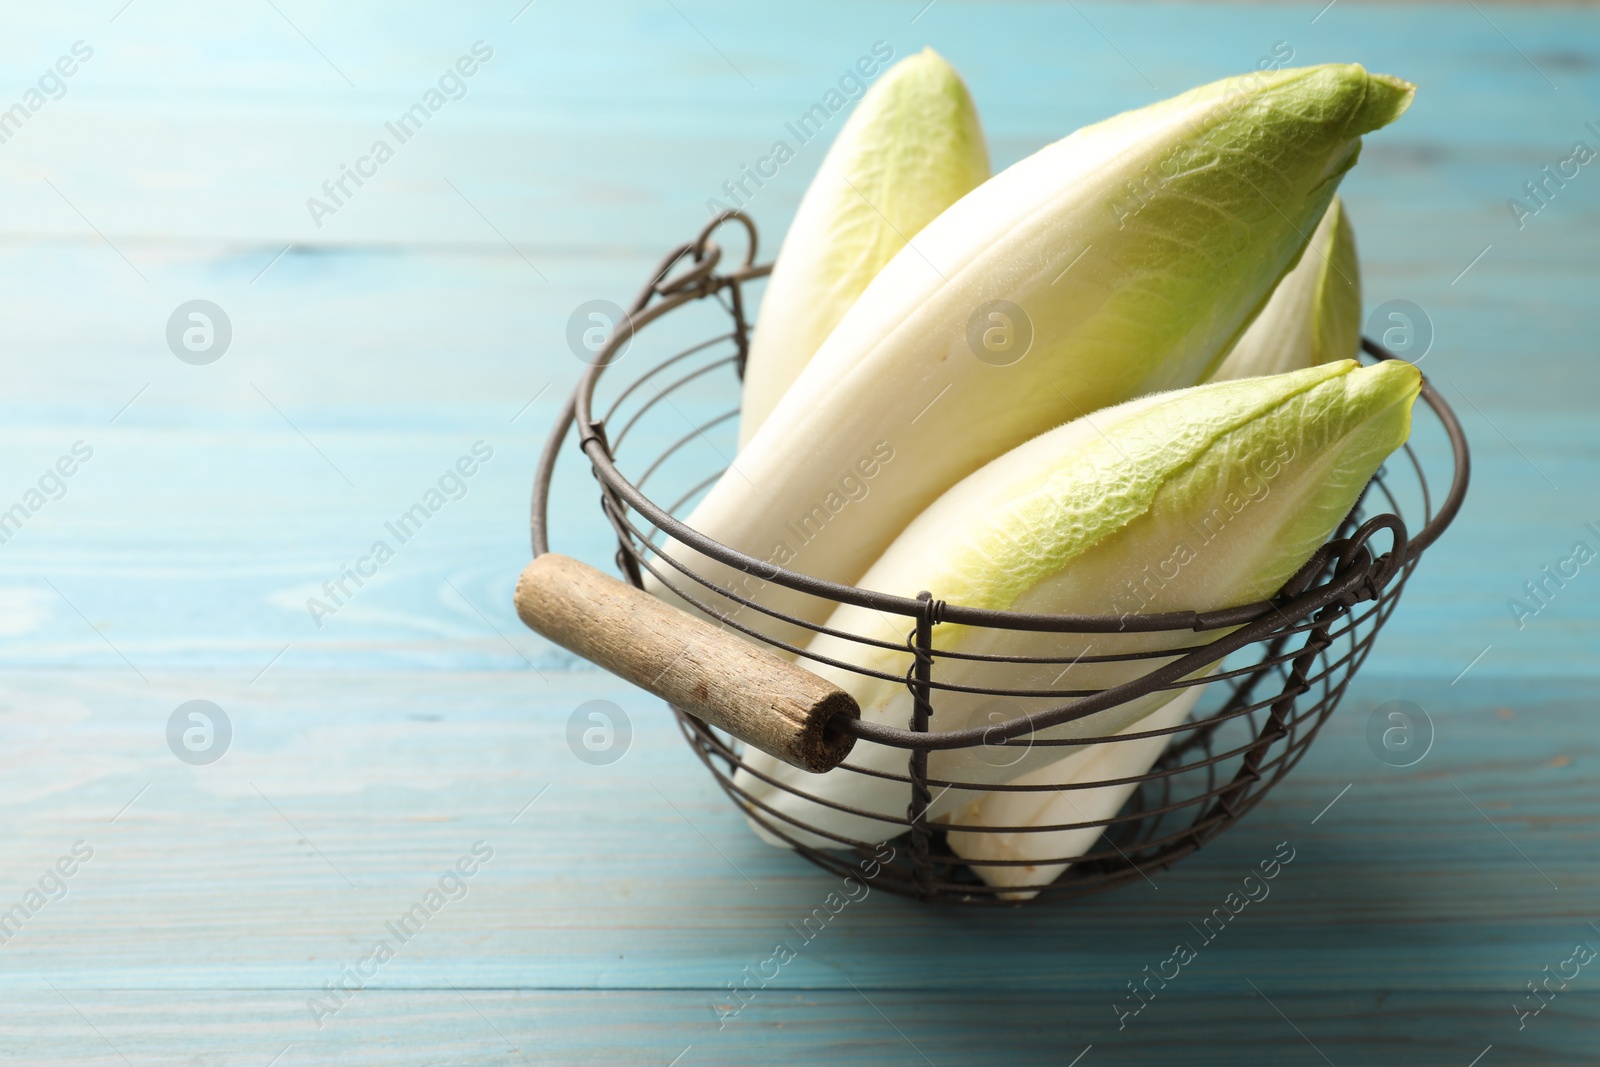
[[374, 746], [712, 674], [511, 1028]]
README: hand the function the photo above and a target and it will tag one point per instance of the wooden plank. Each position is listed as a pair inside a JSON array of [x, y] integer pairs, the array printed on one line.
[[344, 797], [612, 125], [889, 1027]]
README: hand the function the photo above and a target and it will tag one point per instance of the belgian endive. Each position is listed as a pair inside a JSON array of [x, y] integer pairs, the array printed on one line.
[[1004, 825], [1199, 499], [911, 148], [1122, 260], [1314, 315]]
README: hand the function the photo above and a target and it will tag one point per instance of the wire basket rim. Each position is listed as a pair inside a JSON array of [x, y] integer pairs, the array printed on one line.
[[1358, 577], [700, 283]]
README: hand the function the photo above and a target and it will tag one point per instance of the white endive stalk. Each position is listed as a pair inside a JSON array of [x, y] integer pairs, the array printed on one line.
[[1122, 260], [1201, 499], [1046, 851], [911, 148], [1314, 315]]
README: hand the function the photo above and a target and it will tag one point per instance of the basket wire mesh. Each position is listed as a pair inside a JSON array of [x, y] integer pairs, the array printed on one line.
[[1284, 664]]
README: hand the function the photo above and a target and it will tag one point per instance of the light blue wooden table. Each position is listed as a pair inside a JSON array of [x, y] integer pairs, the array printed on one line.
[[427, 313]]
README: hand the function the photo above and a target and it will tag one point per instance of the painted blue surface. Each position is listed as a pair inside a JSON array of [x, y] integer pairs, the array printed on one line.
[[371, 752]]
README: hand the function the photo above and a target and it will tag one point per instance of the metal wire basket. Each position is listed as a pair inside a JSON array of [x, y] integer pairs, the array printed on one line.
[[1285, 664]]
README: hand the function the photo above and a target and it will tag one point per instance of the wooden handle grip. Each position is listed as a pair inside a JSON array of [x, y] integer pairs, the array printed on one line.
[[712, 674]]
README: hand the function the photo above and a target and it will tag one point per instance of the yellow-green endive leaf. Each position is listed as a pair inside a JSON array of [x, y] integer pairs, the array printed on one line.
[[911, 148], [1123, 260], [1200, 499], [1314, 315]]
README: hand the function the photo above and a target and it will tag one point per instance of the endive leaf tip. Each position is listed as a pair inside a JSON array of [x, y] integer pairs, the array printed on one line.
[[929, 61], [1381, 397], [1393, 379], [1396, 372], [1399, 84], [1387, 98], [912, 147], [940, 73], [1382, 97]]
